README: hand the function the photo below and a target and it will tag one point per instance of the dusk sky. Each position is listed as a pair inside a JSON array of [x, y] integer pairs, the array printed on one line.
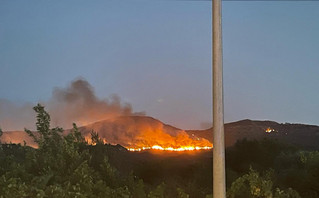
[[156, 55]]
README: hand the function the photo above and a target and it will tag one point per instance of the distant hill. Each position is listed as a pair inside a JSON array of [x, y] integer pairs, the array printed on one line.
[[17, 137], [306, 136], [126, 130]]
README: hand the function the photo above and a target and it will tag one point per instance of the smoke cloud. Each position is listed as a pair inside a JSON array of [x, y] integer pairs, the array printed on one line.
[[75, 103], [16, 117]]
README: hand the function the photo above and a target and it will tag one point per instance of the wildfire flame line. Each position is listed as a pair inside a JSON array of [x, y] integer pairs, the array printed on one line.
[[157, 147]]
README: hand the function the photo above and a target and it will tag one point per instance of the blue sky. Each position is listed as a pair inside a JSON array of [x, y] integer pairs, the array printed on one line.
[[156, 55]]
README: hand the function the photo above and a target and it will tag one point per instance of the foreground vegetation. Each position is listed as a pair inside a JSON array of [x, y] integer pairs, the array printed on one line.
[[66, 166]]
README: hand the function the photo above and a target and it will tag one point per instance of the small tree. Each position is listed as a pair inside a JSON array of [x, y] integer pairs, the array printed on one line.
[[77, 134], [0, 134], [49, 155], [252, 185], [0, 138], [45, 137], [95, 138]]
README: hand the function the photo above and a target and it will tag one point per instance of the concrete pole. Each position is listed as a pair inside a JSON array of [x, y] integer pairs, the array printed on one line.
[[219, 181]]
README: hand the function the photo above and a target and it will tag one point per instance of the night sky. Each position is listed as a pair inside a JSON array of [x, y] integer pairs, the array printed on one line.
[[156, 55]]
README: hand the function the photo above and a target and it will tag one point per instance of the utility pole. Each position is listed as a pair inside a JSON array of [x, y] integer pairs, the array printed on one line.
[[219, 181]]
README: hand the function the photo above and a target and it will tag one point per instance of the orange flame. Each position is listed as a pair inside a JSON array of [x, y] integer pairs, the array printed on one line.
[[159, 140], [186, 148], [269, 130], [136, 133]]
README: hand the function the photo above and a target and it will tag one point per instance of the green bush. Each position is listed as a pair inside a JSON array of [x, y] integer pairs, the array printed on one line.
[[252, 185]]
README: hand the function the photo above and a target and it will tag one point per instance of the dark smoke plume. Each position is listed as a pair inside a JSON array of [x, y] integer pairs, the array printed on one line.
[[75, 103]]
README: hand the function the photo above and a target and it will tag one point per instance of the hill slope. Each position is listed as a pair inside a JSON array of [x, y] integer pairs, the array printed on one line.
[[141, 130], [137, 132], [303, 135]]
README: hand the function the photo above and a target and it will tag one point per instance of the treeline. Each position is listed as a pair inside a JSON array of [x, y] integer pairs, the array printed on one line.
[[67, 166], [63, 166], [263, 168]]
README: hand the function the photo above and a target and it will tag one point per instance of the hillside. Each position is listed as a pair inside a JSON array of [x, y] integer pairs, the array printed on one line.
[[143, 130], [125, 129], [306, 136]]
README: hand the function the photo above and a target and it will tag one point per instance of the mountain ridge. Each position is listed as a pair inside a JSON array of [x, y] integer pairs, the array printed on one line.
[[303, 135]]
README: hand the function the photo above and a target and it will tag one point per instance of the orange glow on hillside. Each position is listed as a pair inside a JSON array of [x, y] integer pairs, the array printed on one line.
[[269, 130], [186, 148], [137, 133], [160, 140], [182, 142]]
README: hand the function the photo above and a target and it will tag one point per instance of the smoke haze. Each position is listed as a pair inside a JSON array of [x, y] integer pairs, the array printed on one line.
[[75, 103], [16, 117]]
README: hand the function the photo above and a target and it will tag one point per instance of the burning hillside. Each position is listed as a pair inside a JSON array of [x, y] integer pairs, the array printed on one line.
[[138, 133], [117, 123]]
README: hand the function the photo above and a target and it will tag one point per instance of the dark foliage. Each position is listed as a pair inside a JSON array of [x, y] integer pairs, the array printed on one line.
[[67, 166]]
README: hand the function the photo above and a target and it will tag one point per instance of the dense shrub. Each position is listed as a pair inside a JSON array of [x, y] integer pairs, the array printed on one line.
[[67, 166]]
